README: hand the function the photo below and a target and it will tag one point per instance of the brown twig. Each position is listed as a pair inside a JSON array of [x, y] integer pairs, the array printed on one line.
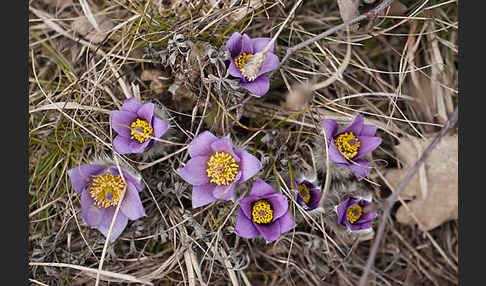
[[450, 124]]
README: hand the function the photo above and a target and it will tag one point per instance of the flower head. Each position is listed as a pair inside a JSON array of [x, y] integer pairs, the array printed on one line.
[[307, 194], [353, 215], [215, 168], [101, 187], [349, 146], [264, 212], [136, 126], [249, 63]]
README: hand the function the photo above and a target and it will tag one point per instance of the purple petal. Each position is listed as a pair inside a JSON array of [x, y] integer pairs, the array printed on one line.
[[334, 154], [81, 176], [234, 44], [224, 145], [234, 70], [330, 127], [367, 217], [259, 44], [131, 205], [244, 227], [246, 45], [121, 122], [360, 168], [356, 126], [131, 105], [286, 223], [368, 130], [124, 145], [202, 195], [271, 63], [279, 204], [341, 211], [194, 172], [360, 226], [223, 192], [201, 144], [260, 188], [246, 204], [249, 165], [160, 127], [92, 214], [258, 87], [269, 231], [315, 196], [146, 112], [120, 223], [367, 144]]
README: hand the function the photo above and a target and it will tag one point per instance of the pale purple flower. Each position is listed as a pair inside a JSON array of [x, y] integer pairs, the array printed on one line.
[[348, 146], [101, 188], [215, 168], [264, 212], [136, 126], [307, 194], [352, 214], [242, 48]]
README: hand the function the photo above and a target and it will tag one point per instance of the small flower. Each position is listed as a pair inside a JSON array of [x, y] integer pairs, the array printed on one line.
[[249, 65], [264, 212], [101, 188], [215, 169], [352, 214], [349, 146], [136, 126], [307, 194]]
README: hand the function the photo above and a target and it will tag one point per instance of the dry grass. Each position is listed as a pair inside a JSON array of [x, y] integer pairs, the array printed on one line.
[[400, 71]]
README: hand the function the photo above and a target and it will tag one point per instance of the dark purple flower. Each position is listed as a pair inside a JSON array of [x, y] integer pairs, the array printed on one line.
[[353, 215], [242, 48], [215, 168], [307, 194], [101, 188], [264, 212], [349, 146], [136, 126]]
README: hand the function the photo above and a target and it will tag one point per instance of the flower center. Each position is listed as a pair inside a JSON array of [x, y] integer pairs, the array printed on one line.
[[141, 130], [241, 59], [262, 212], [354, 213], [347, 144], [222, 168], [106, 190], [304, 192]]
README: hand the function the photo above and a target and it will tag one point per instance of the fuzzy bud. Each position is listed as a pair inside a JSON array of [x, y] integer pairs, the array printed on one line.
[[253, 65]]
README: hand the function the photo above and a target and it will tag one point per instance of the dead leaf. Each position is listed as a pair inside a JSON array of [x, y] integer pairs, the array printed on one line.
[[83, 26], [58, 3], [349, 10], [435, 191], [157, 79], [247, 8]]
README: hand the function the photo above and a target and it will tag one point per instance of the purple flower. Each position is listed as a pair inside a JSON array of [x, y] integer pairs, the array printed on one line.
[[349, 146], [101, 188], [136, 126], [251, 76], [264, 212], [353, 215], [215, 168], [307, 194]]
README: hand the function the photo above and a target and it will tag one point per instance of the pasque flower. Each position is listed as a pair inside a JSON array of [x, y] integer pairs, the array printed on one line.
[[264, 212], [249, 65], [352, 213], [136, 126], [101, 187], [215, 168], [307, 194], [348, 147]]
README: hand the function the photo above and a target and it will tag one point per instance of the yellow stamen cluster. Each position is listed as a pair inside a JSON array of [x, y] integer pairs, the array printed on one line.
[[347, 144], [304, 192], [262, 212], [222, 168], [141, 130], [107, 190], [241, 59], [354, 213]]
